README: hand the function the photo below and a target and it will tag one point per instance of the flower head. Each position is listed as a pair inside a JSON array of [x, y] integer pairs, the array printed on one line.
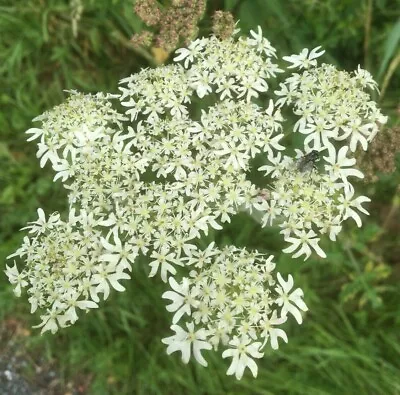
[[155, 177]]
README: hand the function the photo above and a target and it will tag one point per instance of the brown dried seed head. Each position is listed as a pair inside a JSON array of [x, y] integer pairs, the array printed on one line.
[[381, 155], [223, 24], [148, 11], [142, 39], [173, 25]]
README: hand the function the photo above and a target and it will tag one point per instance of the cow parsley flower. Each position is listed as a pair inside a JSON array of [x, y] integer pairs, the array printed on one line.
[[307, 203], [63, 271], [339, 166], [304, 240], [242, 352], [230, 295], [305, 59], [347, 205], [188, 342], [271, 332], [157, 175], [291, 303], [41, 224], [332, 104]]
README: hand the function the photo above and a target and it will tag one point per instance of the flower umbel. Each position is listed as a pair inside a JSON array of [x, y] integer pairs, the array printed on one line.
[[174, 164], [231, 298]]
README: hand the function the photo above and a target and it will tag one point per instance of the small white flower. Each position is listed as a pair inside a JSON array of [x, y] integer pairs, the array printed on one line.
[[201, 83], [261, 43], [305, 59], [187, 342], [106, 274], [275, 168], [365, 78], [35, 133], [291, 303], [162, 259], [271, 211], [70, 304], [47, 152], [339, 166], [304, 240], [347, 203], [319, 133], [358, 133], [50, 321], [271, 333], [120, 255], [182, 298], [14, 277], [189, 54], [41, 225], [333, 226], [64, 170], [200, 258], [242, 353]]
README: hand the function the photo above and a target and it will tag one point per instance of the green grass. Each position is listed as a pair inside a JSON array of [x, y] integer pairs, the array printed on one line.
[[349, 342]]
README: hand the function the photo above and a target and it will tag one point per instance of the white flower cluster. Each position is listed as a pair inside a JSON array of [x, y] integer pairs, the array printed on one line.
[[332, 105], [154, 179], [229, 67], [304, 204], [67, 265], [229, 300], [71, 129], [335, 114]]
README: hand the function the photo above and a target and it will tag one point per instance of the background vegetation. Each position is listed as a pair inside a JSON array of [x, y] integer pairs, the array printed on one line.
[[349, 342]]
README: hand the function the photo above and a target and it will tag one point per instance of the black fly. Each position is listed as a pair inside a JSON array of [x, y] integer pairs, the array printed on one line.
[[308, 162]]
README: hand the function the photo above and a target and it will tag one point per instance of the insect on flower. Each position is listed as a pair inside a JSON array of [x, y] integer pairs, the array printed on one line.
[[308, 162]]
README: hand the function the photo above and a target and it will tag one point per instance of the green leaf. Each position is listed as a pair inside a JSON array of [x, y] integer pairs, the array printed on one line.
[[391, 47]]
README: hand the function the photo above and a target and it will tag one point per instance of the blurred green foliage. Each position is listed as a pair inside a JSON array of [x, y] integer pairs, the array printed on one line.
[[349, 342]]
